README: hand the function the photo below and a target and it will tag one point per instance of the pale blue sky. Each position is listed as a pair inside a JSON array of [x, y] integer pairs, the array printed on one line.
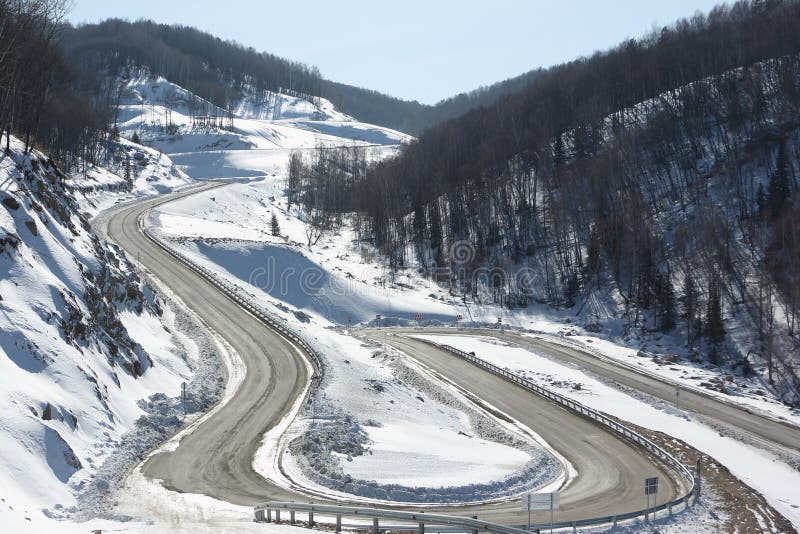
[[423, 50]]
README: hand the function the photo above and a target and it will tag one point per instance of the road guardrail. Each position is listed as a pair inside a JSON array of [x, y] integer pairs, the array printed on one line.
[[626, 433], [241, 298], [263, 512]]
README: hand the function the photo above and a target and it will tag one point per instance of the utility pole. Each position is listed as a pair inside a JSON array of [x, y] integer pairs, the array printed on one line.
[[183, 398], [529, 511]]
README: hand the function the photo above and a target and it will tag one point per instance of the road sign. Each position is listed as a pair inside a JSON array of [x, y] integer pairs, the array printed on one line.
[[499, 320], [651, 486], [377, 316], [459, 317], [539, 501], [417, 316]]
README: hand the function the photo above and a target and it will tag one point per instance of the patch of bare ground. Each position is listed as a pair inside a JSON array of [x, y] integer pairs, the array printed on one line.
[[741, 508]]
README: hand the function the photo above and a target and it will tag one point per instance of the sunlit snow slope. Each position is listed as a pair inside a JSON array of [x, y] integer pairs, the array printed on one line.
[[82, 338]]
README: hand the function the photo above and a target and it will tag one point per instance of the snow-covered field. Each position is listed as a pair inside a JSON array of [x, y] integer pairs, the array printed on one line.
[[397, 434]]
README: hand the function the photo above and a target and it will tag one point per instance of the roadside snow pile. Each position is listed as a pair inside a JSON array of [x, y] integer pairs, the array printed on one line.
[[656, 358], [81, 339], [765, 472]]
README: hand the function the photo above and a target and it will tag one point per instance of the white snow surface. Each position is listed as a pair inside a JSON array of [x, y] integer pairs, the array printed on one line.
[[66, 398], [265, 127], [417, 438], [760, 469]]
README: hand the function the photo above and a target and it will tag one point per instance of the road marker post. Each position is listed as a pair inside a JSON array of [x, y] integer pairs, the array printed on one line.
[[650, 488]]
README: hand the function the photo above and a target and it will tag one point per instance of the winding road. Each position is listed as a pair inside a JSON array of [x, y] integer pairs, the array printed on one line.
[[216, 459], [772, 432]]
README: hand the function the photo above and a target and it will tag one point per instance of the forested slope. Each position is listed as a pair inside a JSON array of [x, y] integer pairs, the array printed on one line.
[[220, 70], [655, 183]]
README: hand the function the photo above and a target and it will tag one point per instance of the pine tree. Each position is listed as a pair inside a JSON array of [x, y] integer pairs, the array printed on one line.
[[714, 324], [128, 174], [135, 138], [559, 151], [761, 201], [689, 306], [779, 184], [275, 226], [666, 301]]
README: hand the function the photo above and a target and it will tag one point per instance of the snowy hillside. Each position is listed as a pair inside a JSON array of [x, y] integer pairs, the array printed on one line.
[[175, 121], [132, 171], [82, 340]]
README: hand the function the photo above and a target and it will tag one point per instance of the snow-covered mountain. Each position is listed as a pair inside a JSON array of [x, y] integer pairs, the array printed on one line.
[[83, 339]]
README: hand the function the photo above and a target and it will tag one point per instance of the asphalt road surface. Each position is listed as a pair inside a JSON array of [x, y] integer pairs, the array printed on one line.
[[216, 459], [782, 434]]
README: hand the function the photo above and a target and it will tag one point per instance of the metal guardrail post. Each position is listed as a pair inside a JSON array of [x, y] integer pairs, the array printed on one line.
[[474, 530], [375, 528], [421, 529], [277, 516], [291, 517], [338, 522], [310, 519], [269, 515]]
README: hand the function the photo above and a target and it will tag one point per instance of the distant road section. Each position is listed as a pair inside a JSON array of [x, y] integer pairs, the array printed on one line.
[[782, 434]]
